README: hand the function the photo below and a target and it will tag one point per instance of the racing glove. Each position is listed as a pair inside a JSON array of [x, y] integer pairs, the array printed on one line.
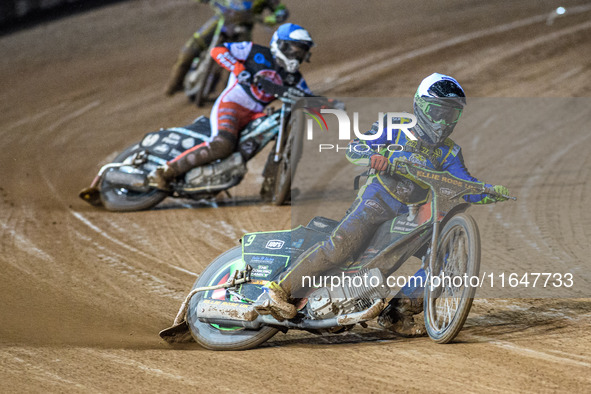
[[488, 199], [270, 20], [501, 190], [379, 162]]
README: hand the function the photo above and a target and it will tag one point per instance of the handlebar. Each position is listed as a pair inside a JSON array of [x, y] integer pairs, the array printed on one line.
[[292, 94], [492, 192], [279, 91], [401, 167]]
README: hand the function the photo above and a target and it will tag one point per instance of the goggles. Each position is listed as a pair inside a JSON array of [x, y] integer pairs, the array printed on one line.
[[294, 50], [439, 113]]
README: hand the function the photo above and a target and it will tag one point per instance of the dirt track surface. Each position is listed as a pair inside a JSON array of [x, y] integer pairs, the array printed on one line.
[[84, 292]]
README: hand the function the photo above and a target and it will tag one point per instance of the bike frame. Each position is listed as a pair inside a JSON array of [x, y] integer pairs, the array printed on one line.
[[205, 61], [444, 202], [446, 197]]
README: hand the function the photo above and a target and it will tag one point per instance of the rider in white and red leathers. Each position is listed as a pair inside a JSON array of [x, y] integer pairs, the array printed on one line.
[[243, 101]]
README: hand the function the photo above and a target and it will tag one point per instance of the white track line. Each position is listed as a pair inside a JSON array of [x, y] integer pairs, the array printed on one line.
[[33, 371], [25, 244], [81, 217], [570, 354], [93, 227], [35, 117], [73, 115], [129, 362], [530, 352], [392, 60]]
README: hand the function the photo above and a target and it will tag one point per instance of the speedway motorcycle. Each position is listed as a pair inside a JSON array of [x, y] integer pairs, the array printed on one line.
[[219, 314], [205, 74], [123, 184]]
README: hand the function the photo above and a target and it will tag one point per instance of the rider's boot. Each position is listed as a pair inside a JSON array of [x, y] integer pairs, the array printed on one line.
[[220, 147], [180, 68], [276, 303], [160, 177], [398, 317]]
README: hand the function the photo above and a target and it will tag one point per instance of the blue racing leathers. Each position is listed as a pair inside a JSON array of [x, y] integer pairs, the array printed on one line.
[[447, 157], [382, 198]]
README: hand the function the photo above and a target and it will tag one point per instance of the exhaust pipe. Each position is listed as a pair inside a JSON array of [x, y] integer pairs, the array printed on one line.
[[133, 181], [244, 315]]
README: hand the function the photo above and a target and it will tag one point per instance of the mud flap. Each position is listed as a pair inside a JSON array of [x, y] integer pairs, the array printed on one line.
[[179, 333], [91, 195]]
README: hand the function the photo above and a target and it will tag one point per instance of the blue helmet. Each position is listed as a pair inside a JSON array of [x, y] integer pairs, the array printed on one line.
[[290, 46]]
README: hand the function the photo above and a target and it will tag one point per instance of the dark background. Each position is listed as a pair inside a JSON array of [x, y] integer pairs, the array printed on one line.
[[19, 14]]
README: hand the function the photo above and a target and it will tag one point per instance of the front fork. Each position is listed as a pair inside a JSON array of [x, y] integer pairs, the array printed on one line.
[[279, 145], [434, 244]]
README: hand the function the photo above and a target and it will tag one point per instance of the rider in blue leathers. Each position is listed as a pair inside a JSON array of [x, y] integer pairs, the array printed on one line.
[[438, 105], [240, 17]]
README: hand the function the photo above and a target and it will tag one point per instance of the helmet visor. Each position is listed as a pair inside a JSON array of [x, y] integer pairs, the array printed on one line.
[[294, 50], [440, 113]]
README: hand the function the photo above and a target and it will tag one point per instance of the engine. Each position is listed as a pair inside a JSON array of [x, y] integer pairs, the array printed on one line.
[[357, 294], [217, 176]]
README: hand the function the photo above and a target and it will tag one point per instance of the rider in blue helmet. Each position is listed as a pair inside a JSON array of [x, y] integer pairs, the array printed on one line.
[[243, 101], [290, 46]]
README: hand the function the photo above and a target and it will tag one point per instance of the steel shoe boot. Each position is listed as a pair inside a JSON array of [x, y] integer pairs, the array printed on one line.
[[275, 303], [398, 317], [160, 177]]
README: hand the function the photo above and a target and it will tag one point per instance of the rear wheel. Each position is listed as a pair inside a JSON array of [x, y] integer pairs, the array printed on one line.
[[213, 336], [120, 199], [446, 307]]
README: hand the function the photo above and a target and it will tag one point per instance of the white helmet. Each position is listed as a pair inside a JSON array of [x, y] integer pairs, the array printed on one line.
[[290, 46], [438, 105]]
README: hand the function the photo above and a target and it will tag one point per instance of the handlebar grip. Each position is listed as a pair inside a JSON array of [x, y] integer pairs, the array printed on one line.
[[492, 192]]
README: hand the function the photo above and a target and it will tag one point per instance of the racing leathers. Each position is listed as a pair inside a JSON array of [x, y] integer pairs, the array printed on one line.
[[239, 19], [383, 197], [241, 102]]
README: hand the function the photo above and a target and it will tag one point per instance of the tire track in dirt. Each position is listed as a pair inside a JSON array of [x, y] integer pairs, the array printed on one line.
[[80, 217], [348, 74], [112, 359]]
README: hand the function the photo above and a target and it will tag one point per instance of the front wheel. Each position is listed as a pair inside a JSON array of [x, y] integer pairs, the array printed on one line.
[[284, 170], [204, 82], [213, 336], [283, 176], [119, 199], [448, 299]]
